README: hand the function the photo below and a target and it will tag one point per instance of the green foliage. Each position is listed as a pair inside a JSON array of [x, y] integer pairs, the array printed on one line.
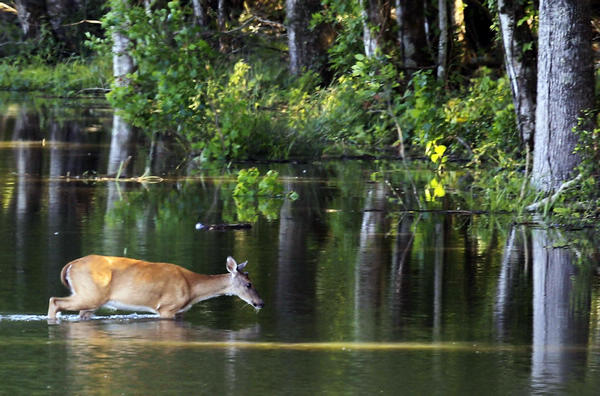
[[471, 118], [581, 204], [346, 16], [68, 78], [483, 112], [254, 194], [181, 86], [420, 109], [436, 153], [171, 60], [355, 112], [250, 183]]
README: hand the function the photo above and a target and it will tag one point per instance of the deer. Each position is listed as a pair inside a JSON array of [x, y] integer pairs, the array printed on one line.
[[135, 285]]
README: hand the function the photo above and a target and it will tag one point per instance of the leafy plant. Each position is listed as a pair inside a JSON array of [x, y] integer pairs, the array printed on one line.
[[436, 153], [581, 204], [250, 183], [254, 193]]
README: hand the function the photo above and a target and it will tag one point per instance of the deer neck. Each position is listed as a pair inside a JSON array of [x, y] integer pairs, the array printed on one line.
[[209, 286]]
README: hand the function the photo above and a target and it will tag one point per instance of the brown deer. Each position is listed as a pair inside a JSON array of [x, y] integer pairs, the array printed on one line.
[[135, 285]]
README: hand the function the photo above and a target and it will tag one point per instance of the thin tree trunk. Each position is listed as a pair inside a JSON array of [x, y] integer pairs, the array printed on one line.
[[459, 30], [565, 87], [222, 25], [442, 59], [521, 65]]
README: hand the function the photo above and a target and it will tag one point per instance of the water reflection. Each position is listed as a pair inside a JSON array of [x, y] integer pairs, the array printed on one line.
[[373, 254], [513, 290], [340, 264], [121, 147], [561, 303], [99, 354]]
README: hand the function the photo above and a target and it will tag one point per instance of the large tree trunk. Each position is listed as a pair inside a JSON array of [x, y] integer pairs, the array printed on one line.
[[410, 16], [304, 47], [565, 87], [520, 65]]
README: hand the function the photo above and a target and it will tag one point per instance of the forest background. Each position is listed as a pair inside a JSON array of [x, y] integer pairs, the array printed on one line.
[[503, 89]]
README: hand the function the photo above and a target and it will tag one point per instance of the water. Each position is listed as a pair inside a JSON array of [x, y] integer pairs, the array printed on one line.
[[361, 298]]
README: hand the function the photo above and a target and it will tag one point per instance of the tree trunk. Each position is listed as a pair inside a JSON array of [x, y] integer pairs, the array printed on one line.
[[442, 58], [459, 30], [565, 87], [200, 16], [120, 147], [222, 25], [410, 16], [31, 14], [373, 14], [122, 61], [520, 65], [58, 10], [303, 43]]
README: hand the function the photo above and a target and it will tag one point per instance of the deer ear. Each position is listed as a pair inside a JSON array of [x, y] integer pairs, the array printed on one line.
[[231, 265], [242, 265]]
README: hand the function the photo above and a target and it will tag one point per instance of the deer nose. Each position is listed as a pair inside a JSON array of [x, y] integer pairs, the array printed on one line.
[[259, 305]]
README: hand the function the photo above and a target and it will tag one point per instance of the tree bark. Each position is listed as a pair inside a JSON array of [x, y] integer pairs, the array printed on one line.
[[200, 16], [31, 14], [442, 58], [222, 25], [373, 14], [123, 63], [521, 65], [58, 10], [565, 87], [412, 40], [303, 43]]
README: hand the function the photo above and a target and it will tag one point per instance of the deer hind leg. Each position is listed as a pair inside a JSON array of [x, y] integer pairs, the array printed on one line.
[[71, 303], [167, 313], [86, 314]]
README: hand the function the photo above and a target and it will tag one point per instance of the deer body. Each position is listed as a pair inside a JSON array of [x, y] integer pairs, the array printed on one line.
[[136, 285]]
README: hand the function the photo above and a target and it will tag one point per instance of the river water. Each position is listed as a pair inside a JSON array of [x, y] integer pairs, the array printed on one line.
[[361, 297]]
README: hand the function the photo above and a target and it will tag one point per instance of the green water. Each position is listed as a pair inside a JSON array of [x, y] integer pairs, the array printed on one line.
[[361, 298]]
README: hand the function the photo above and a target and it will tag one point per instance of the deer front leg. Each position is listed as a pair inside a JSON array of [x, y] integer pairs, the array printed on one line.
[[52, 308]]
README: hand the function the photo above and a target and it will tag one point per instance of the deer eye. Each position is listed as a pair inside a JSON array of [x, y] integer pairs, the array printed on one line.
[[248, 285]]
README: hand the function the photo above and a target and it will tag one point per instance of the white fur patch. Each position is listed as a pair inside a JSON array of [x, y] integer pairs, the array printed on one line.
[[114, 305], [68, 278]]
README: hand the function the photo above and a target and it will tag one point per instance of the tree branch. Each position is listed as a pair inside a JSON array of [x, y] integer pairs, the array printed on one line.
[[534, 207]]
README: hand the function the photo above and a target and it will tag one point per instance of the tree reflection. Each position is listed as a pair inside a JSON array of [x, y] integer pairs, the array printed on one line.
[[371, 258], [513, 291], [561, 309]]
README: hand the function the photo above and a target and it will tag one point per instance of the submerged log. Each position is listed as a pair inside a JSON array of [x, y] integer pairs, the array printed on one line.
[[223, 227]]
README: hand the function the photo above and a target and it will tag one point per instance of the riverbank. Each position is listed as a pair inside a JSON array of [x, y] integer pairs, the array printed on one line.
[[69, 78]]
